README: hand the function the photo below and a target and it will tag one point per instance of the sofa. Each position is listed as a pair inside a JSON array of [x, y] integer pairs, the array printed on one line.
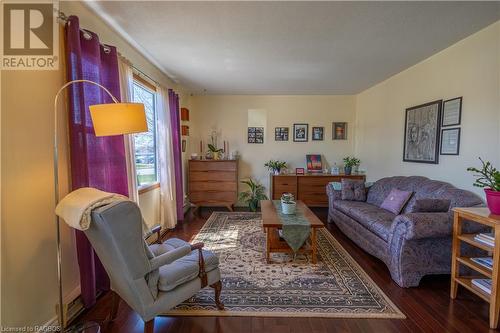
[[411, 244]]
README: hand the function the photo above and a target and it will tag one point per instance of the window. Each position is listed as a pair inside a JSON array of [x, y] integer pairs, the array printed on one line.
[[145, 143]]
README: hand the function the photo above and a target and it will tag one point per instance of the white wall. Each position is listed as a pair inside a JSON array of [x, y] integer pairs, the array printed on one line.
[[470, 69], [230, 114], [29, 282]]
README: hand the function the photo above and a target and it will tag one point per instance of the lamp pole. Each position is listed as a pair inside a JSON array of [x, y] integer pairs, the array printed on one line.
[[56, 191]]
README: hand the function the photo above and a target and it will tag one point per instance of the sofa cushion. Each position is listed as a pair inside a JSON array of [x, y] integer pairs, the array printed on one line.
[[185, 269], [396, 200], [431, 206], [373, 218], [353, 189]]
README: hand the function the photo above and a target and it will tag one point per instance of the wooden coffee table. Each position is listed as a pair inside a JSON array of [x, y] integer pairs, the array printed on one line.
[[271, 223]]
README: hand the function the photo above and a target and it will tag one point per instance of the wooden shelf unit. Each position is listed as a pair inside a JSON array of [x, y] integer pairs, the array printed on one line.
[[309, 188], [483, 216]]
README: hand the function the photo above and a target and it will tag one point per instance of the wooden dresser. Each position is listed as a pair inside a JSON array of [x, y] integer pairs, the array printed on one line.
[[213, 183], [309, 188]]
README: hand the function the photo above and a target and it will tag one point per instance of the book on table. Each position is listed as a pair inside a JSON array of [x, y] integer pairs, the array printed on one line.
[[483, 284], [484, 261]]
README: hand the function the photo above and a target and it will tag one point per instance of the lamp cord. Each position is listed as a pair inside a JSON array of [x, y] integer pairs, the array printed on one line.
[[56, 189]]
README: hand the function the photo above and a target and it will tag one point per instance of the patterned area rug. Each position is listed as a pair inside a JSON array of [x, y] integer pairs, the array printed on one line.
[[335, 287]]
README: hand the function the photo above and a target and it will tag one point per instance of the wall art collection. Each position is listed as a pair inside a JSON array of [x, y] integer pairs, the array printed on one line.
[[424, 138], [300, 133]]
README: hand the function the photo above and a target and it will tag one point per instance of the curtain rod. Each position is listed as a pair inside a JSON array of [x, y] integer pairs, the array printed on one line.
[[61, 16]]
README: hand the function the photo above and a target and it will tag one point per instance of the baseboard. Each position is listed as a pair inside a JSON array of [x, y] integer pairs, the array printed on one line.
[[73, 306]]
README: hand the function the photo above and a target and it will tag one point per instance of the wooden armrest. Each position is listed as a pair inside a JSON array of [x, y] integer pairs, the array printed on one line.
[[157, 230], [202, 274], [197, 246]]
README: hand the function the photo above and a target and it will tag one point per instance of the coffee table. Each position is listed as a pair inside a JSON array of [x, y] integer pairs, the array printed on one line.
[[271, 222]]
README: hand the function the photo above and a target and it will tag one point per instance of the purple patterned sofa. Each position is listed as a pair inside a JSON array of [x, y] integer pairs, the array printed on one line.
[[410, 244]]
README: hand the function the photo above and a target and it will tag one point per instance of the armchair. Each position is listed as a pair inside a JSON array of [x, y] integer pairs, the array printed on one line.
[[151, 279]]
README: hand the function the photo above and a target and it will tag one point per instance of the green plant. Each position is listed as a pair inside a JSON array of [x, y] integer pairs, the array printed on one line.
[[214, 149], [487, 176], [254, 195], [274, 166], [351, 161], [287, 198]]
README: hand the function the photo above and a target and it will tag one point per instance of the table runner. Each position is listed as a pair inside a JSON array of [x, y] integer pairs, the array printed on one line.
[[296, 228]]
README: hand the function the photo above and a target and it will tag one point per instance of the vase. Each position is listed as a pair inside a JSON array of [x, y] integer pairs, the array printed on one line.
[[277, 172], [347, 170], [493, 200], [288, 208]]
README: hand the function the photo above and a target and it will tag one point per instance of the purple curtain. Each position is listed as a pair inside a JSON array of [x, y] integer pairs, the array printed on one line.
[[173, 101], [95, 162]]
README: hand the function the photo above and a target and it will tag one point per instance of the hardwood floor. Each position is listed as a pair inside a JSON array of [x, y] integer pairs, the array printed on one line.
[[428, 308]]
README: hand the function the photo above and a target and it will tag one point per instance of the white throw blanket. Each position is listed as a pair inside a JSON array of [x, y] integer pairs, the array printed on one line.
[[76, 207]]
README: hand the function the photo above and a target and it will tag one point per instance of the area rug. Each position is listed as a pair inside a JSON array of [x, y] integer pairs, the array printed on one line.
[[335, 287]]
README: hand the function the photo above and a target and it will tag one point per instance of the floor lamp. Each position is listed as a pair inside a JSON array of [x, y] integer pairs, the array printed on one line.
[[108, 119]]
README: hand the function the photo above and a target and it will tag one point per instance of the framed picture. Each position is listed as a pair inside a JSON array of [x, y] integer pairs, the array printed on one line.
[[452, 112], [185, 130], [314, 163], [183, 146], [281, 134], [300, 132], [299, 171], [339, 131], [450, 141], [184, 114], [256, 135], [317, 133], [422, 127]]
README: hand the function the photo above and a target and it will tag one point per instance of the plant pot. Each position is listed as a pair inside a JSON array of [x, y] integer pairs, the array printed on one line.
[[288, 208], [253, 205], [277, 172], [493, 200], [216, 155], [347, 170]]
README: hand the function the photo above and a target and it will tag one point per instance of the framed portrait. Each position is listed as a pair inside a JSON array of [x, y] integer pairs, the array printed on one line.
[[422, 129], [339, 131], [450, 141], [255, 135], [183, 146], [299, 171], [300, 132], [317, 133], [314, 163], [185, 130], [452, 112], [281, 134]]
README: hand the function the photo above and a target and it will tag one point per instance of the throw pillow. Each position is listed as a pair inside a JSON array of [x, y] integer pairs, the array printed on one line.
[[396, 200], [353, 190], [337, 186], [431, 206]]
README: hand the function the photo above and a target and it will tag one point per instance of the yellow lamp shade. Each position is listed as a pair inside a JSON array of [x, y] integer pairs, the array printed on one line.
[[118, 118]]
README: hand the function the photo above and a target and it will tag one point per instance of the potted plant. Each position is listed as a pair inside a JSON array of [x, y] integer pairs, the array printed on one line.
[[288, 203], [214, 151], [488, 178], [349, 163], [275, 166], [254, 195]]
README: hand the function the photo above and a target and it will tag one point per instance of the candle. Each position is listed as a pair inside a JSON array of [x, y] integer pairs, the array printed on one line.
[[201, 147]]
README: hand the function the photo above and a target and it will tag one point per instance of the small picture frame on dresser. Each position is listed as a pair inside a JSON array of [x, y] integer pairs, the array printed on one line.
[[299, 171]]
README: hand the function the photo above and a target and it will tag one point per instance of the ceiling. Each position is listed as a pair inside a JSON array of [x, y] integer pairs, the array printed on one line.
[[291, 47]]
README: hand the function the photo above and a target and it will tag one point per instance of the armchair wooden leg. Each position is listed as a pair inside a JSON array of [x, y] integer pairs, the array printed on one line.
[[115, 304], [149, 326], [218, 288]]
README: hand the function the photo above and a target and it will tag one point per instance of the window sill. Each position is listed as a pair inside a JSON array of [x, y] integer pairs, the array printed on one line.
[[147, 188]]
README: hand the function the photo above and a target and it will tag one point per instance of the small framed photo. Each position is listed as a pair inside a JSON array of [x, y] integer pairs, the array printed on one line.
[[339, 131], [255, 135], [183, 146], [452, 112], [185, 130], [317, 133], [299, 171], [281, 134], [450, 141], [300, 132]]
